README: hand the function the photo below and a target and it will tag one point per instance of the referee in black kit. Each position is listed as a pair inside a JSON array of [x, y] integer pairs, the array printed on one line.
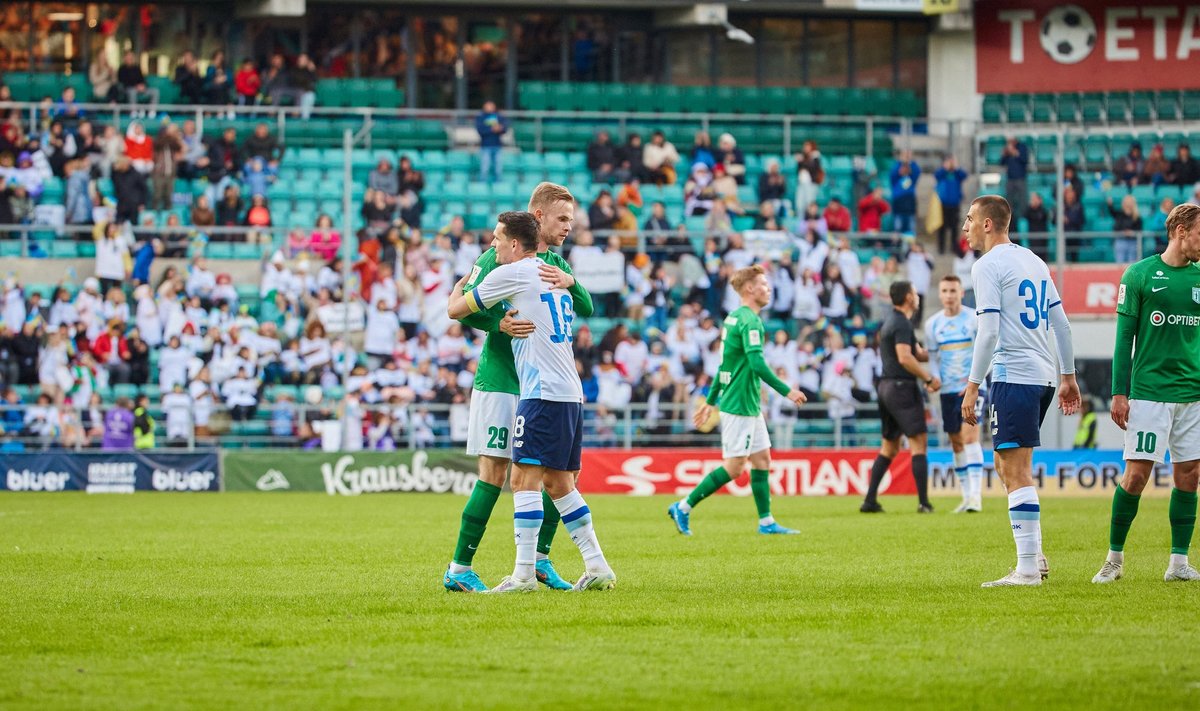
[[901, 403]]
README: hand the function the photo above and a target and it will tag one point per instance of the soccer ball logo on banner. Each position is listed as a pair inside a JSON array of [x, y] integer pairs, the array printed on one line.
[[1068, 34]]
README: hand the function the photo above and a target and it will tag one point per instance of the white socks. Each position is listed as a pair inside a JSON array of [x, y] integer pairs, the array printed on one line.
[[527, 521], [578, 519], [974, 462], [1024, 513], [684, 506], [960, 471], [1177, 561]]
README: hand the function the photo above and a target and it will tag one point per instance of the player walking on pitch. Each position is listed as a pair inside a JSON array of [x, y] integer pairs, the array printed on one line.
[[496, 391], [738, 387], [950, 339], [1018, 305], [1157, 401], [547, 434]]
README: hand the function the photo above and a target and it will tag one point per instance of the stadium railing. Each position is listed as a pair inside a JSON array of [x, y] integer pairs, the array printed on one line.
[[438, 426]]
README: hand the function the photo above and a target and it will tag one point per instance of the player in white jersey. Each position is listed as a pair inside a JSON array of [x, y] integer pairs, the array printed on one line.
[[548, 429], [950, 340], [1018, 305]]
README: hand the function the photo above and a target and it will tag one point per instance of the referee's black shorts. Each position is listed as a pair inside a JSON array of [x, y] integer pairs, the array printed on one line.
[[901, 408]]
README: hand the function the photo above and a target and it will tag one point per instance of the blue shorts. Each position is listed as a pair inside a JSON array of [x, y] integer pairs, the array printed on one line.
[[952, 412], [1016, 413], [548, 434]]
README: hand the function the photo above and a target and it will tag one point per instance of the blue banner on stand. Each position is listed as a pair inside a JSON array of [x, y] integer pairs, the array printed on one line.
[[110, 472]]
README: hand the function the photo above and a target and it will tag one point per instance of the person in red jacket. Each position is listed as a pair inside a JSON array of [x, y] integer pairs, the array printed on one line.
[[111, 351], [247, 83], [871, 210], [139, 148], [837, 216]]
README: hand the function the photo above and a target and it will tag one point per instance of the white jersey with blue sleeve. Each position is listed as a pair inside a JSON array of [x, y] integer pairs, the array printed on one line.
[[1014, 284], [951, 341], [545, 360]]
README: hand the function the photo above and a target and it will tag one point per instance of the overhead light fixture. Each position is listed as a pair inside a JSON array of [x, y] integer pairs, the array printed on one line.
[[65, 16]]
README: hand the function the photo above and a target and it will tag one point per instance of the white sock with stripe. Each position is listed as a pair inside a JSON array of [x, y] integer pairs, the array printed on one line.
[[960, 471], [577, 517], [1024, 513], [974, 463], [527, 521]]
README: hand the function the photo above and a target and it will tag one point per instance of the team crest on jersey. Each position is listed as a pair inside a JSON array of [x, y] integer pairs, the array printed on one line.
[[755, 338], [1196, 294]]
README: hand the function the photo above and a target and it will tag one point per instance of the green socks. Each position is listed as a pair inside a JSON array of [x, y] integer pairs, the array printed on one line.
[[709, 486], [1182, 511], [760, 486], [1124, 509], [474, 521], [549, 524]]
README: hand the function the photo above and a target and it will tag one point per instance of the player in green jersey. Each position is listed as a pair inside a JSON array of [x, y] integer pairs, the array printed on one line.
[[496, 391], [738, 388], [1157, 401]]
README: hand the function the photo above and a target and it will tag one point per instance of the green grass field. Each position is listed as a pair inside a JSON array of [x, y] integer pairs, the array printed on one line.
[[308, 601]]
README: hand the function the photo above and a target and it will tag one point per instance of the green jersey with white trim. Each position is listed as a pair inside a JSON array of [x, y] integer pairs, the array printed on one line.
[[1165, 300]]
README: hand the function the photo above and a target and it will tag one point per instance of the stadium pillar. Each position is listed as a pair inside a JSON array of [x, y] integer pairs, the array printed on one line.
[[1060, 253]]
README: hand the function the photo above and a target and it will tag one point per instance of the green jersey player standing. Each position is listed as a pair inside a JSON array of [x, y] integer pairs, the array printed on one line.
[[1157, 400], [738, 388], [496, 391]]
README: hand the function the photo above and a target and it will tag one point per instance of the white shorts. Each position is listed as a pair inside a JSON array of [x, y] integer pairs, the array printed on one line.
[[1154, 428], [489, 424], [742, 436]]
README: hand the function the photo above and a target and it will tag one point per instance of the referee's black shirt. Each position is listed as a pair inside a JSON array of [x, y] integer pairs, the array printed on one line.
[[897, 329]]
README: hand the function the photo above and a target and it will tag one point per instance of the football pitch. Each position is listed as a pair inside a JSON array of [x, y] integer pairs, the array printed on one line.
[[311, 601]]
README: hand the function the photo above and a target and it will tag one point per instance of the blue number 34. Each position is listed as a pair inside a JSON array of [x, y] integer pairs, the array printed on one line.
[[1036, 302], [562, 325]]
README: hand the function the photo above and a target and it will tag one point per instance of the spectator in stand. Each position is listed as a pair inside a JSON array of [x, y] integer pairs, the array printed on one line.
[[112, 147], [702, 151], [80, 193], [263, 145], [630, 198], [1157, 167], [202, 214], [727, 190], [247, 83], [133, 82], [139, 148], [25, 347], [1127, 223], [810, 174], [659, 158], [772, 187], [241, 395], [259, 215], [118, 426], [58, 146], [491, 126], [1037, 215], [139, 358], [258, 176], [276, 82], [229, 211], [325, 241], [602, 214], [384, 180], [1015, 159], [602, 160], [87, 144], [1129, 167], [217, 81], [920, 272], [813, 222], [629, 156], [1073, 220], [67, 109], [1185, 170], [411, 179], [112, 353], [103, 79], [303, 80], [657, 221], [731, 157], [1158, 223], [766, 218], [378, 212], [718, 221], [168, 149], [837, 216], [225, 160], [905, 173], [871, 210], [1071, 178], [188, 79], [698, 192], [949, 191]]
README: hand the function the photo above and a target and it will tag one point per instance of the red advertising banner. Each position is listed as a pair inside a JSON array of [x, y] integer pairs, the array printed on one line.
[[1089, 45], [1091, 291], [817, 472]]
